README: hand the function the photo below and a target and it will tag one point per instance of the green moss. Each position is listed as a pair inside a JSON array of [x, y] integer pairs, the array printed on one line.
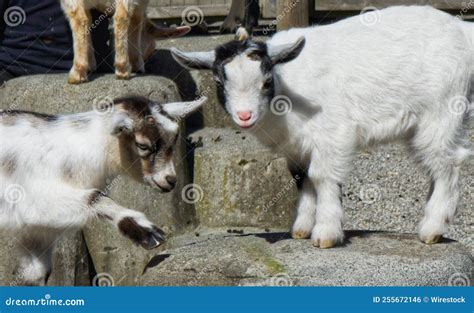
[[259, 254]]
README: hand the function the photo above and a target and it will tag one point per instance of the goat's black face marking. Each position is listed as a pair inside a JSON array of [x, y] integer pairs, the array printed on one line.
[[256, 51]]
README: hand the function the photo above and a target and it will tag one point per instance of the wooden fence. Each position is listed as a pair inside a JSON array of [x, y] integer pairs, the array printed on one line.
[[173, 9]]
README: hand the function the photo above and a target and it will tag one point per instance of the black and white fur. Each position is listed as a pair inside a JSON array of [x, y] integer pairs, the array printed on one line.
[[350, 85], [53, 169]]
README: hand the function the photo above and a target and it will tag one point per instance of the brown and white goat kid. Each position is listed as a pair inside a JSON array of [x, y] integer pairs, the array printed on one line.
[[53, 170], [134, 35]]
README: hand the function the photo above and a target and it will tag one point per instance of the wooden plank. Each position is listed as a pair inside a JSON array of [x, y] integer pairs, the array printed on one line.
[[268, 8], [358, 5], [292, 13], [164, 12]]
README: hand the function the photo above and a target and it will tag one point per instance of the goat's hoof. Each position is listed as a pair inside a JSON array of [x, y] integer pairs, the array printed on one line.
[[300, 234], [75, 79], [324, 244], [122, 76], [154, 239], [430, 240], [149, 236]]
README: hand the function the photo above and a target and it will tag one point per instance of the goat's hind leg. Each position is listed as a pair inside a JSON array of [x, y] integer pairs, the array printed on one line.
[[80, 21], [132, 224], [122, 22], [36, 257]]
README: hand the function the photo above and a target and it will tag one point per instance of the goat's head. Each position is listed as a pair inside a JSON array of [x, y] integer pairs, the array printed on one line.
[[147, 134], [243, 71]]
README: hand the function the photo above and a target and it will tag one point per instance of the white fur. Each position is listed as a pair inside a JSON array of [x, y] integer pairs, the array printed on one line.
[[39, 201], [354, 85]]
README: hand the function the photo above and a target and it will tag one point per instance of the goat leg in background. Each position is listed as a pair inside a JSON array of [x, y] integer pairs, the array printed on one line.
[[122, 22], [80, 21], [235, 17], [135, 39], [252, 14]]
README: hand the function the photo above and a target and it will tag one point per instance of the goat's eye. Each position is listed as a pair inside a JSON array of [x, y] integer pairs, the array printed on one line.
[[267, 84], [142, 146]]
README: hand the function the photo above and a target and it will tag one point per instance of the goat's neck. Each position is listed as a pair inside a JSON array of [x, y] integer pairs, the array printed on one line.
[[95, 149]]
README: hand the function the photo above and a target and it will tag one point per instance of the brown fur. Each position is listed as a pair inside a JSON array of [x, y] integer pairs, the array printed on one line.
[[135, 36]]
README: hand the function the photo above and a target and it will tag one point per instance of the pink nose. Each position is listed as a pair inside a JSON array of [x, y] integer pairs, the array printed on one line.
[[244, 115]]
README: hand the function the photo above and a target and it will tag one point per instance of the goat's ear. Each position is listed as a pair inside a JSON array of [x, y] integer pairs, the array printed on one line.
[[286, 53], [194, 60], [182, 109], [167, 32], [121, 124]]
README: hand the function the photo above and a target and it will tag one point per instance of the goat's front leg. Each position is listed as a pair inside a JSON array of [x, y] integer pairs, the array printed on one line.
[[122, 21], [305, 219], [327, 173], [132, 224], [80, 21]]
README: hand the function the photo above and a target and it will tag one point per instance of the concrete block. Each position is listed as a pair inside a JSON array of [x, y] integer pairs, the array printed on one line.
[[259, 258]]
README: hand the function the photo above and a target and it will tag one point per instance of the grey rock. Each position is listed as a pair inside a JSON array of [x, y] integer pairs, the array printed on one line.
[[260, 258], [70, 262], [238, 182]]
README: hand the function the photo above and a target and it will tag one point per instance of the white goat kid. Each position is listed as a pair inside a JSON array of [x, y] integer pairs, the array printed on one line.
[[134, 35], [53, 170], [352, 85]]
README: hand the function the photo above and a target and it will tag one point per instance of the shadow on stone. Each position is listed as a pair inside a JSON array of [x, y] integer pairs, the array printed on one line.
[[155, 261]]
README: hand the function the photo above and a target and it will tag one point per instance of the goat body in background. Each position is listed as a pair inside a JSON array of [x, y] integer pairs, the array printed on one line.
[[320, 94], [243, 15], [53, 170], [134, 35]]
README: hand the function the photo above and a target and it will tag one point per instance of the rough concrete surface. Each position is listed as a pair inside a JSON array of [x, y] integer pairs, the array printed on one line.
[[259, 258]]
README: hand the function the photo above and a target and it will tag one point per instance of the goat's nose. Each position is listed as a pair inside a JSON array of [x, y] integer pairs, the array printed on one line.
[[244, 115], [171, 180]]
